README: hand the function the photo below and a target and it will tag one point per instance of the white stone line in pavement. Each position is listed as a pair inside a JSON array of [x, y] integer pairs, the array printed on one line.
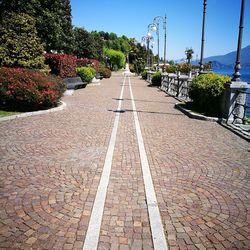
[[39, 112], [93, 232], [157, 229]]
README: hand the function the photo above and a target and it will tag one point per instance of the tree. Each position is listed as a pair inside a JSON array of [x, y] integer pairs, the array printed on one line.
[[53, 20], [19, 44], [84, 45], [189, 54], [116, 58]]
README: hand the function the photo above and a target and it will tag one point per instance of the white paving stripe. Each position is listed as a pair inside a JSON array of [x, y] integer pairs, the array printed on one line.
[[158, 235], [93, 232]]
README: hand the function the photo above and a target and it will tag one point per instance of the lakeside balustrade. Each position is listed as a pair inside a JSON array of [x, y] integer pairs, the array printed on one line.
[[234, 103], [176, 85]]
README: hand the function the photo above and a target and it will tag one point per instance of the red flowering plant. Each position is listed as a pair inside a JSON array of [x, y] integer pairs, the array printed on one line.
[[61, 64], [86, 62], [27, 90]]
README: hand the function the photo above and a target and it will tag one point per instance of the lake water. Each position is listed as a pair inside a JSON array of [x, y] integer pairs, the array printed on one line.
[[245, 73], [245, 77]]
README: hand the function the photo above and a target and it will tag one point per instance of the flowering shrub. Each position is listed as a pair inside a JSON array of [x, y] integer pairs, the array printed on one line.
[[86, 73], [85, 62], [61, 64], [105, 72], [171, 68], [184, 68], [25, 90]]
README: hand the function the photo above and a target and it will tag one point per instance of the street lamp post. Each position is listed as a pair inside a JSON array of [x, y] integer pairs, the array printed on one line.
[[156, 28], [146, 40], [236, 75], [203, 36]]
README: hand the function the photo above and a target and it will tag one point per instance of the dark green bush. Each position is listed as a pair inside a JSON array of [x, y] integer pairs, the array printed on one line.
[[156, 79], [144, 75], [206, 91], [19, 43], [86, 73], [105, 72], [26, 90]]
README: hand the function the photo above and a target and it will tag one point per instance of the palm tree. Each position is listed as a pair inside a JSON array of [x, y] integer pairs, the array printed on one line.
[[189, 54]]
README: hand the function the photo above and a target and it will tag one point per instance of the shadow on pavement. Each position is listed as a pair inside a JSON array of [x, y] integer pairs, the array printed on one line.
[[143, 111]]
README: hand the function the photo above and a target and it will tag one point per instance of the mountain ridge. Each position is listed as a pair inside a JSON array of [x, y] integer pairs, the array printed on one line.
[[228, 60]]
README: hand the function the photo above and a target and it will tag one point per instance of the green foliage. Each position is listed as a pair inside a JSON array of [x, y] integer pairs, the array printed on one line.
[[144, 75], [247, 121], [116, 58], [53, 21], [189, 54], [24, 89], [171, 68], [206, 91], [105, 72], [171, 62], [19, 44], [85, 44], [93, 71], [184, 68], [86, 73], [156, 79]]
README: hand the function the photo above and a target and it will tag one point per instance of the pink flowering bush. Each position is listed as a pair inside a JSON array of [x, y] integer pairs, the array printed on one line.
[[86, 62], [25, 90], [61, 64]]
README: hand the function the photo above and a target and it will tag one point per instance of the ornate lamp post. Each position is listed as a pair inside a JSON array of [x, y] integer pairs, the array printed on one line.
[[236, 75], [146, 40], [203, 35], [155, 27]]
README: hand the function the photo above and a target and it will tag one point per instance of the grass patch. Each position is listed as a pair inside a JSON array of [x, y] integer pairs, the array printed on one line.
[[7, 113]]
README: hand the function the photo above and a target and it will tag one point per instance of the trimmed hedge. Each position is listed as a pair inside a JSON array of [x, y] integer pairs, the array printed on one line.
[[156, 79], [61, 64], [25, 90], [105, 72], [86, 73], [206, 91]]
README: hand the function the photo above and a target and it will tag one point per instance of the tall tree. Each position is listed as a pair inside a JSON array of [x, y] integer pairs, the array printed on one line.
[[19, 43], [84, 44], [53, 20]]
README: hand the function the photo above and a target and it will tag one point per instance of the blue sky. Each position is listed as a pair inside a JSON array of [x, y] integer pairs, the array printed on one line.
[[184, 20]]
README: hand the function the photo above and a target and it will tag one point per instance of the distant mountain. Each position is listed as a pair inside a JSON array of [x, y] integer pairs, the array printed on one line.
[[228, 60]]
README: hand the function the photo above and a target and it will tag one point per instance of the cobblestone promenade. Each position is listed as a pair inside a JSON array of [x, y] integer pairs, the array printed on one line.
[[51, 166]]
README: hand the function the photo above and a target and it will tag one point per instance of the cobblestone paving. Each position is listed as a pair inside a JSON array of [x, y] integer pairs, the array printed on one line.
[[125, 221], [50, 167], [200, 173]]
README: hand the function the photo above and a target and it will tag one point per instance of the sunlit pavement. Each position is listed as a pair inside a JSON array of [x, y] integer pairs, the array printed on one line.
[[51, 166]]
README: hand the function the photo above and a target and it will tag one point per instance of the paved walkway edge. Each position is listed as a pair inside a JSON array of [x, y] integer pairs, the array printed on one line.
[[157, 229], [40, 112], [193, 115], [93, 232]]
